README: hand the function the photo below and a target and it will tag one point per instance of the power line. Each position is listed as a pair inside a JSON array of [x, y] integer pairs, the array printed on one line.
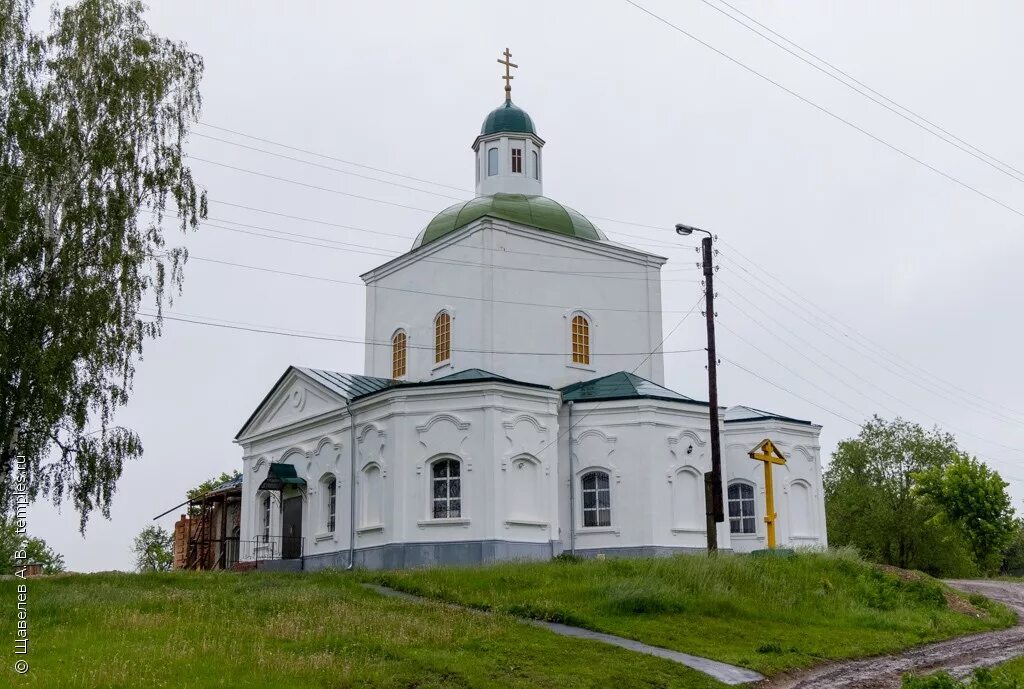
[[309, 335], [388, 234], [794, 394], [327, 167], [328, 157], [424, 292], [874, 357], [389, 172], [610, 275], [860, 426], [787, 368], [826, 111], [880, 389], [856, 81], [598, 405], [310, 186], [374, 199], [919, 122]]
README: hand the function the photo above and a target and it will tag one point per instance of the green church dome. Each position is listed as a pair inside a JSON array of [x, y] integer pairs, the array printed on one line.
[[507, 117], [535, 211]]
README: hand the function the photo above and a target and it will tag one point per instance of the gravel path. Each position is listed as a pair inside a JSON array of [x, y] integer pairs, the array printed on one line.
[[723, 672], [957, 656]]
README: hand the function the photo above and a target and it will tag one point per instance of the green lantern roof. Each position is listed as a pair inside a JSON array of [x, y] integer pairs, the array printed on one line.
[[507, 117], [536, 211]]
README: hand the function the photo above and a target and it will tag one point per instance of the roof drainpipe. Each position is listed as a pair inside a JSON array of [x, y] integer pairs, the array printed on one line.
[[351, 488], [572, 488]]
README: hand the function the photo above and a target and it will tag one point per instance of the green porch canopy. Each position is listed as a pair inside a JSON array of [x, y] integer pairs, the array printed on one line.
[[281, 475]]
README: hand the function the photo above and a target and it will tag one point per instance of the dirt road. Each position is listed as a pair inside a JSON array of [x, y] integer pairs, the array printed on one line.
[[956, 656]]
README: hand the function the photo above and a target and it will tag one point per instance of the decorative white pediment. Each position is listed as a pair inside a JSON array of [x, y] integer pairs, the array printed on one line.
[[444, 434], [525, 435], [685, 445], [594, 446], [329, 450], [370, 442], [294, 399], [808, 455]]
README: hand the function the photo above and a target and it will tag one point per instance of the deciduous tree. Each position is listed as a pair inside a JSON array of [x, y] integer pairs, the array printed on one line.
[[973, 497], [93, 119], [870, 495], [153, 549], [36, 550]]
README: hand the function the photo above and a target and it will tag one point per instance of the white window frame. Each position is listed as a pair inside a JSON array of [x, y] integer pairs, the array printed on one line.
[[329, 519], [592, 332], [741, 519], [517, 146], [597, 490], [492, 170], [266, 516], [451, 339], [432, 480], [405, 353]]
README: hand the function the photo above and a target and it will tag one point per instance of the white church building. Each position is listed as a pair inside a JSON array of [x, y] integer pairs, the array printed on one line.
[[512, 405]]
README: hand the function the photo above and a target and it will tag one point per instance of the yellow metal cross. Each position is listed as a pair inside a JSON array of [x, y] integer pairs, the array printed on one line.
[[769, 454], [508, 74]]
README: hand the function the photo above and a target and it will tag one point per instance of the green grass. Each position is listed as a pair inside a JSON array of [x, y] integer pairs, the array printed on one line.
[[325, 630], [767, 613], [1009, 675], [1013, 668], [295, 630]]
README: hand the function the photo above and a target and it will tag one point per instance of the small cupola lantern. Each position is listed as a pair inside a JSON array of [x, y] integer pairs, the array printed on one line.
[[508, 150]]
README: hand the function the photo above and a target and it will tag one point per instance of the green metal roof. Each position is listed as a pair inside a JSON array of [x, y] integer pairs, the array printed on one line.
[[469, 375], [621, 386], [535, 211], [347, 385], [743, 413], [507, 117], [280, 475]]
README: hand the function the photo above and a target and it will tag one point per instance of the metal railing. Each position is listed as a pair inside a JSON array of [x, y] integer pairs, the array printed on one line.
[[264, 548]]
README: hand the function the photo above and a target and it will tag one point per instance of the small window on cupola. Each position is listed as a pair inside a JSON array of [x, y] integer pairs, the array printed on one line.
[[517, 160], [492, 161], [536, 165]]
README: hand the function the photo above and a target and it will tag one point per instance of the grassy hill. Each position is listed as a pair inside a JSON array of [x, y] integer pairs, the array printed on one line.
[[325, 630], [766, 613]]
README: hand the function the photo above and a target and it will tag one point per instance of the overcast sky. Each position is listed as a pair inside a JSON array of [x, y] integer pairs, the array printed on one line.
[[642, 124]]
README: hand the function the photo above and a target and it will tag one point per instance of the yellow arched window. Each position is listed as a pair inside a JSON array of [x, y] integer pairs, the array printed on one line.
[[442, 337], [580, 340], [398, 354]]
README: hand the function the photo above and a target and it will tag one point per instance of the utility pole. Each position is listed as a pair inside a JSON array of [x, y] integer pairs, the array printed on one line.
[[712, 479]]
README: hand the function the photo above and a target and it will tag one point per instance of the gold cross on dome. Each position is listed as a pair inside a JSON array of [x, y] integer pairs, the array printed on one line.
[[508, 74]]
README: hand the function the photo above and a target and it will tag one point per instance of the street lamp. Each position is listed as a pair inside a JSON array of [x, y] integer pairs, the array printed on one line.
[[713, 479]]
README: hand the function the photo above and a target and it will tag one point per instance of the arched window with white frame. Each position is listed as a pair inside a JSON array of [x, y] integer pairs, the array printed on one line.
[[580, 338], [742, 510], [442, 337], [596, 493], [446, 489], [492, 162], [329, 502], [264, 516], [399, 354]]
